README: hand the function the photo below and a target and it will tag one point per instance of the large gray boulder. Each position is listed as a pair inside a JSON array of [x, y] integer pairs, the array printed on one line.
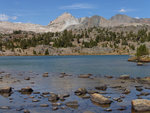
[[141, 105], [100, 99]]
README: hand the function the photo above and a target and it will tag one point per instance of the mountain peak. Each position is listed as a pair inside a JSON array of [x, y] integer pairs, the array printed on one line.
[[120, 18], [63, 22], [66, 13]]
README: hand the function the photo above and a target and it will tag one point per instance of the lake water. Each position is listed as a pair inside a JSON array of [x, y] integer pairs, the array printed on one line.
[[98, 65]]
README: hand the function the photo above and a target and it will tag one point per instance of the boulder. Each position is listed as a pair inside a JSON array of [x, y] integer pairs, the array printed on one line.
[[125, 77], [85, 75], [81, 91], [5, 90], [141, 105], [100, 99]]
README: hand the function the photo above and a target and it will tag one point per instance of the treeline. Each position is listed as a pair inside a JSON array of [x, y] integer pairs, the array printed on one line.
[[86, 38]]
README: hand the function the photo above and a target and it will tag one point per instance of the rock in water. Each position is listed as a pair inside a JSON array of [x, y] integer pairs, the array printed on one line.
[[53, 97], [72, 104], [44, 105], [5, 90], [85, 75], [104, 87], [100, 99], [27, 78], [139, 64], [141, 105], [125, 77], [81, 91], [45, 74], [26, 90]]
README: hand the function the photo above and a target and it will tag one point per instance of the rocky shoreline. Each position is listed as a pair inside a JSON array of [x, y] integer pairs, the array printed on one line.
[[143, 59], [30, 92]]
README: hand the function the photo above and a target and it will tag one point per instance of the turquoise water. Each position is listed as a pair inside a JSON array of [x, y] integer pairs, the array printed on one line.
[[98, 65]]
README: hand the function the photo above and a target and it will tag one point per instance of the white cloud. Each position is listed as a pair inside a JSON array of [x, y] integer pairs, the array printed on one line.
[[137, 17], [78, 6], [4, 17], [122, 10]]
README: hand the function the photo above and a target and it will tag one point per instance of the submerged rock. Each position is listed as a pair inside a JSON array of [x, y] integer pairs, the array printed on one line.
[[72, 104], [56, 104], [85, 75], [45, 74], [27, 78], [4, 107], [108, 110], [26, 111], [44, 105], [53, 97], [122, 108], [81, 91], [26, 90], [5, 90], [144, 94], [88, 112], [100, 99], [64, 75], [104, 87], [126, 91], [141, 105], [139, 89], [63, 96], [139, 64], [35, 100], [124, 77], [55, 108]]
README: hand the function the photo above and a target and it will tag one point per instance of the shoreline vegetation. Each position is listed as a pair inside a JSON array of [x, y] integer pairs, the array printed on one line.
[[106, 93], [142, 55], [89, 41]]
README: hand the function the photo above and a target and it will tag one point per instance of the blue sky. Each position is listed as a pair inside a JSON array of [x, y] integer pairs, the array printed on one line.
[[44, 11]]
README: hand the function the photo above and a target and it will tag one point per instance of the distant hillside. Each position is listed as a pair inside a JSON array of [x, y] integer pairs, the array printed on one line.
[[91, 41], [67, 21]]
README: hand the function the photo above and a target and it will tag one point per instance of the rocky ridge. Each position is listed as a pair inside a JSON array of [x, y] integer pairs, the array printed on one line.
[[67, 21]]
